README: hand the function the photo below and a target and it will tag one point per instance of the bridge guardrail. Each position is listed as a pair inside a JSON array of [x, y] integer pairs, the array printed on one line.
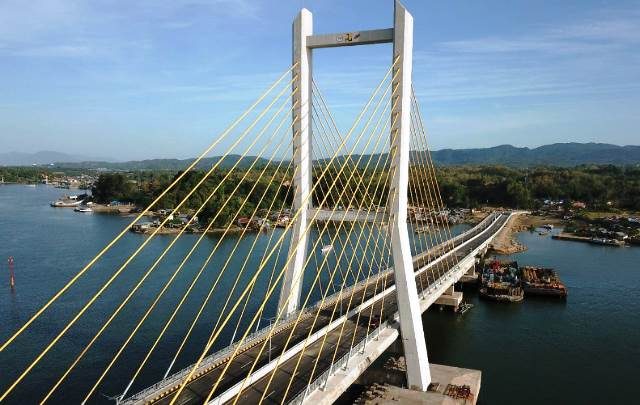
[[261, 333], [321, 380]]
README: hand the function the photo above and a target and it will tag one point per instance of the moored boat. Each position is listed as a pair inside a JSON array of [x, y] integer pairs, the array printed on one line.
[[67, 202], [502, 292], [607, 242], [542, 281], [501, 282]]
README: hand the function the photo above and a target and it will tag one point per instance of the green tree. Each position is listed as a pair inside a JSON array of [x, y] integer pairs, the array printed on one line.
[[113, 186]]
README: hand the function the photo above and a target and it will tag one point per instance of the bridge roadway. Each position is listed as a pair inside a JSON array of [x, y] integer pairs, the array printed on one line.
[[212, 367]]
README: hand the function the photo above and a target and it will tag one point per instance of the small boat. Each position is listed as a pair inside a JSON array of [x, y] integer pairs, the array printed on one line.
[[423, 229], [65, 203], [464, 307], [83, 208], [326, 249], [547, 227], [606, 242]]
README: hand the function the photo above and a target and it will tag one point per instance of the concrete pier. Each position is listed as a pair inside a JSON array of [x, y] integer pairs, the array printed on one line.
[[450, 298], [447, 381]]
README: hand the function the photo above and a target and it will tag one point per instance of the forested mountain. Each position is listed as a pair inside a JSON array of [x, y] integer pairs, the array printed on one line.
[[557, 154]]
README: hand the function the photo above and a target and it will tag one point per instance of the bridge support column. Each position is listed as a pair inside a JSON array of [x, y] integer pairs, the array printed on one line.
[[413, 340], [292, 282]]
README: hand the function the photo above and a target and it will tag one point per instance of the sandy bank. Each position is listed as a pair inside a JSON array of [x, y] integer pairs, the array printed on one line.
[[505, 242]]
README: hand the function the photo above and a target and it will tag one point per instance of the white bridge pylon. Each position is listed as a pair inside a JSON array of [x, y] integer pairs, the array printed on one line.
[[304, 41]]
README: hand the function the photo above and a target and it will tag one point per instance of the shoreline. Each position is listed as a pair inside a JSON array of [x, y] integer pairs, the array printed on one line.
[[174, 231], [505, 243]]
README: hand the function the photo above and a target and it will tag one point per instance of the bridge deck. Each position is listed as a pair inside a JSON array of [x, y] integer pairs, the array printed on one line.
[[198, 388]]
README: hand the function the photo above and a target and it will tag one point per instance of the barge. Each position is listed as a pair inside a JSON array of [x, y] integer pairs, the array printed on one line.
[[542, 281], [501, 282], [502, 292]]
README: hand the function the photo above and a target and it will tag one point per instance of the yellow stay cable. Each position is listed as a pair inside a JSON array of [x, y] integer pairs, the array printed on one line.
[[186, 258], [369, 236], [277, 259], [123, 266], [214, 337], [268, 213], [387, 246], [350, 190], [205, 301], [435, 234], [443, 241], [373, 260], [333, 238], [354, 248], [177, 308], [306, 300], [413, 197], [332, 124], [368, 239], [417, 183], [139, 216], [324, 261], [343, 274], [429, 162], [348, 157], [426, 197], [317, 274], [390, 175], [428, 153], [122, 304], [357, 322], [434, 211]]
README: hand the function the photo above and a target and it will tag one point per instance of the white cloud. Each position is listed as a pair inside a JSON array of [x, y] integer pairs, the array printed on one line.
[[73, 27], [597, 56]]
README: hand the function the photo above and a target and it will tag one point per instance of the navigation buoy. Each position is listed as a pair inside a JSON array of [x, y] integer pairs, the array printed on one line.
[[12, 279]]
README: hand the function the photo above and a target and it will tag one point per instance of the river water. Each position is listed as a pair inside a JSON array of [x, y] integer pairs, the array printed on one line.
[[581, 351]]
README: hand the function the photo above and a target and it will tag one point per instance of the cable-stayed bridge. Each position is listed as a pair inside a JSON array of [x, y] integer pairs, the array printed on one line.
[[343, 244], [315, 346]]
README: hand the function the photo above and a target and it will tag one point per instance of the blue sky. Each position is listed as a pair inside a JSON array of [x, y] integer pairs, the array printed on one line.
[[160, 78]]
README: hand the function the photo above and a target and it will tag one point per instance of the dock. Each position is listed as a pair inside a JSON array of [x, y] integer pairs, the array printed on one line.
[[568, 236], [594, 241]]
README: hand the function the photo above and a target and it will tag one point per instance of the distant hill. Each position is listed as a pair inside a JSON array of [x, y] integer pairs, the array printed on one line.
[[164, 164], [557, 154], [44, 157]]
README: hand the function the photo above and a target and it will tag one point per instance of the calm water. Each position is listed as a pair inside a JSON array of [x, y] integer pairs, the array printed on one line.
[[581, 351], [51, 245], [584, 351]]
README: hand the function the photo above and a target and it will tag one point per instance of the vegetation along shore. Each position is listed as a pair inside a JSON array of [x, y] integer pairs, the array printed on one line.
[[594, 201]]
